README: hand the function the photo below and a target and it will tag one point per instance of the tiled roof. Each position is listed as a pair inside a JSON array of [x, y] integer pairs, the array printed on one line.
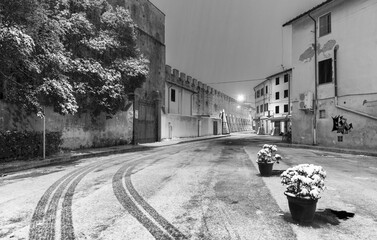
[[307, 12]]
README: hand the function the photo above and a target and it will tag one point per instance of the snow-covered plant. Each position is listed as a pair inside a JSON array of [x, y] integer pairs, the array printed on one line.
[[268, 154], [304, 180]]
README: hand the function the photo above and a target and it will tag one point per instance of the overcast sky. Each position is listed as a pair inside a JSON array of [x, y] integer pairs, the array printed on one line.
[[229, 40]]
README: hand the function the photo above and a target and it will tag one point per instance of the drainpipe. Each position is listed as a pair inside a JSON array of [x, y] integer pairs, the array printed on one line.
[[315, 82], [336, 88], [336, 73]]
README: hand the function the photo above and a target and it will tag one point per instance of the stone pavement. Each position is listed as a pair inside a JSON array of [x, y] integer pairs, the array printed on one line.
[[75, 155]]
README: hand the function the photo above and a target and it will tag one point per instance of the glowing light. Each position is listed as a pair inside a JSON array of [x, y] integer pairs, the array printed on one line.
[[240, 98]]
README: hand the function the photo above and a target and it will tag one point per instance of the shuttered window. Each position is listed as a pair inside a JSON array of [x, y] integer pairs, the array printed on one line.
[[325, 24]]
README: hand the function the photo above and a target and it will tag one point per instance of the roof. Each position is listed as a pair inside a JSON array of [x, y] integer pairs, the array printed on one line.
[[262, 83], [307, 12], [279, 73]]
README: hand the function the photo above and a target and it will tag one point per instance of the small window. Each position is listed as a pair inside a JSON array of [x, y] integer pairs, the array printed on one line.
[[261, 108], [325, 25], [276, 109], [261, 92], [266, 89], [277, 81], [322, 113], [258, 94], [285, 93], [325, 71], [277, 95], [286, 78], [172, 95], [266, 107], [285, 108], [340, 138], [257, 109]]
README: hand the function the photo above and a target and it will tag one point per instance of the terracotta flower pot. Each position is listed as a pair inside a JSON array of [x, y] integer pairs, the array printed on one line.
[[265, 169], [302, 209]]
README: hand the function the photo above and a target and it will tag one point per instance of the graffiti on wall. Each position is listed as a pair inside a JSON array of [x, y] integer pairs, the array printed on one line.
[[340, 125]]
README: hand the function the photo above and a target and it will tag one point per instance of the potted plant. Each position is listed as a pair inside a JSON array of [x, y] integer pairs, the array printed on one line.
[[266, 158], [304, 183]]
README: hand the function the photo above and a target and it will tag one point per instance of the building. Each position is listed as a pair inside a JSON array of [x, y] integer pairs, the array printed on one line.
[[192, 109], [272, 103], [279, 105], [334, 90], [150, 23], [262, 100]]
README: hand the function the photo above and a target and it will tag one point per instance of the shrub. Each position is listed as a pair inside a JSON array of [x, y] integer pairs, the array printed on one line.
[[26, 144]]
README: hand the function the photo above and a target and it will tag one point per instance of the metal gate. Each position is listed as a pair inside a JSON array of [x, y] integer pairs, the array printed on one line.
[[145, 120]]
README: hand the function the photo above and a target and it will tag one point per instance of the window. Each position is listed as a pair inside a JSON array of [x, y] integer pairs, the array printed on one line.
[[285, 93], [266, 89], [325, 25], [325, 71], [277, 81], [277, 95], [285, 108], [261, 92], [322, 113], [266, 107], [257, 109], [276, 109], [286, 78], [258, 94], [261, 108], [172, 95]]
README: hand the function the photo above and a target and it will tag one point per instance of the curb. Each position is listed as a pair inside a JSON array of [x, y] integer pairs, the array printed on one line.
[[337, 150], [66, 159]]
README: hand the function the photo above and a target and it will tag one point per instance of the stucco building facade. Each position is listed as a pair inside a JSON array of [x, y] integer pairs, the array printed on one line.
[[334, 90], [272, 103]]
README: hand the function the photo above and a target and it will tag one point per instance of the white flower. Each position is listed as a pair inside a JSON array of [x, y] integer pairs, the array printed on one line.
[[304, 180], [267, 154]]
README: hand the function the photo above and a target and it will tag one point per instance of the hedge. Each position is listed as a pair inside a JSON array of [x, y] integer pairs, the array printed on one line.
[[27, 145]]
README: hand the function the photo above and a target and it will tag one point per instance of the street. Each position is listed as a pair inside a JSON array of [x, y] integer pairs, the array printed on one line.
[[199, 190]]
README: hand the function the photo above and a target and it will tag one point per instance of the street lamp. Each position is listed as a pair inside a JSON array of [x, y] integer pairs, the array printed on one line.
[[240, 98]]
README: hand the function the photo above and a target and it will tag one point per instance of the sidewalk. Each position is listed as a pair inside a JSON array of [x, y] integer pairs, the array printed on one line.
[[372, 153], [74, 155]]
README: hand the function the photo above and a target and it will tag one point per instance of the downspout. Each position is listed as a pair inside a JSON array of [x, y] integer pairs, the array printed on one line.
[[315, 82], [289, 95], [336, 74], [336, 88]]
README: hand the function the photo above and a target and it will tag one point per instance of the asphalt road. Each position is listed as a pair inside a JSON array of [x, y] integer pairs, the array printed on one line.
[[200, 190]]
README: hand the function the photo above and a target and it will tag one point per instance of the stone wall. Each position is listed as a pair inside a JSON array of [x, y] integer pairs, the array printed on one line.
[[83, 131], [77, 131]]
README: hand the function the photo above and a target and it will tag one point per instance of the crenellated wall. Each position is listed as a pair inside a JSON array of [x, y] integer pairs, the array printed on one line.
[[207, 102]]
